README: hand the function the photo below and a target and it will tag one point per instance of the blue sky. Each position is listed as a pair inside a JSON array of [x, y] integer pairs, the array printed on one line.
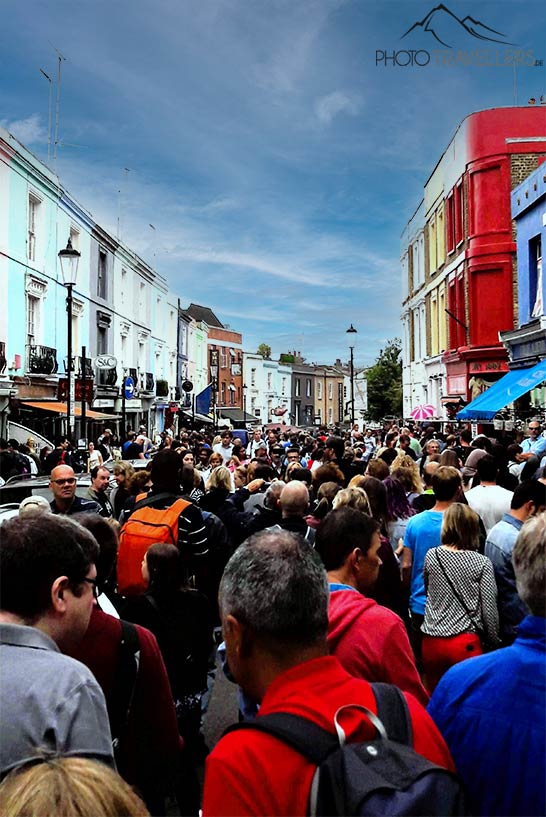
[[277, 162]]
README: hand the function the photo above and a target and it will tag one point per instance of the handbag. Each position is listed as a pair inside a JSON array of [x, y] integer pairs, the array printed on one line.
[[480, 632]]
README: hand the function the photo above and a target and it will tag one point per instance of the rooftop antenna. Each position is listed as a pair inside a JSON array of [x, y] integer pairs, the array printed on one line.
[[49, 113], [126, 171], [60, 59]]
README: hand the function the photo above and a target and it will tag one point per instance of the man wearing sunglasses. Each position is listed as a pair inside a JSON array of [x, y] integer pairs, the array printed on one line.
[[50, 703], [63, 487]]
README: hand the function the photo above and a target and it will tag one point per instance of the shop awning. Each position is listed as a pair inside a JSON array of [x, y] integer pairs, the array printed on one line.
[[452, 398], [236, 415], [504, 391], [201, 418], [55, 407]]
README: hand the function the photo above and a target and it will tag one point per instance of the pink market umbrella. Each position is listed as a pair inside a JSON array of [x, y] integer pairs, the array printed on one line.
[[424, 412]]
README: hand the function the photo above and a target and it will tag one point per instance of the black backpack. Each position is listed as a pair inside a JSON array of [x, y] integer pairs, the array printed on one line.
[[378, 777], [121, 698]]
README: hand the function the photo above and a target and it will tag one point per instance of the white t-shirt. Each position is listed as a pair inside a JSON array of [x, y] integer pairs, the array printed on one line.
[[490, 502]]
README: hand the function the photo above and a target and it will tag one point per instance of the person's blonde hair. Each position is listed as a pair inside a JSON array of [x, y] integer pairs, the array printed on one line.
[[68, 787], [403, 460], [352, 498], [125, 468], [220, 477], [460, 527]]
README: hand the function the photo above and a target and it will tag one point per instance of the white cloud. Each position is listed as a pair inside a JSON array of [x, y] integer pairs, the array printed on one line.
[[29, 131], [329, 106]]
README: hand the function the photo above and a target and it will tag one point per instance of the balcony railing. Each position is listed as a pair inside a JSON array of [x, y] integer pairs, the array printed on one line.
[[161, 388], [107, 377], [147, 383], [41, 359], [3, 361], [77, 366]]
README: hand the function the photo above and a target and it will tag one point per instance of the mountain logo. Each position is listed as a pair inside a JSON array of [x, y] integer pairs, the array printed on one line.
[[445, 27]]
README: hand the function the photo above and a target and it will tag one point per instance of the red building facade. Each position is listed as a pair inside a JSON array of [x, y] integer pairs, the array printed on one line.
[[473, 269]]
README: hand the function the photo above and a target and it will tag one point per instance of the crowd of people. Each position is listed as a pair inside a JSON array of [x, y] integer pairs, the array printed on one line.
[[326, 563]]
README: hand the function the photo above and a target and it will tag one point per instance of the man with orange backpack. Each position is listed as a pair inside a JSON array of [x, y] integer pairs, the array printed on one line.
[[162, 515]]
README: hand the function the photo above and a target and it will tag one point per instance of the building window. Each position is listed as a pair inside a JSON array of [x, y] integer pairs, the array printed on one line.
[[330, 415], [459, 213], [232, 395], [222, 393], [253, 377], [308, 387], [432, 249], [283, 387], [223, 359], [101, 274], [33, 313], [33, 213], [535, 277], [102, 340], [297, 387], [269, 376], [330, 390], [450, 222], [440, 237], [124, 285], [319, 391]]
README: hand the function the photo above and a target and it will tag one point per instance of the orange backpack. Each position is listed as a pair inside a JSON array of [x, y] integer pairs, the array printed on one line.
[[145, 527]]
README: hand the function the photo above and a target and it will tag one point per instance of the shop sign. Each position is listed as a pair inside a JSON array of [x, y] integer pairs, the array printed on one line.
[[488, 366]]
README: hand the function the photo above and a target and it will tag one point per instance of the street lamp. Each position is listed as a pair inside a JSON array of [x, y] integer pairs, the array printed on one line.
[[352, 331], [244, 401], [69, 258]]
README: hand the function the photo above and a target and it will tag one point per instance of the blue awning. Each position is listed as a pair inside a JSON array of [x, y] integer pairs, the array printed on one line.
[[504, 391]]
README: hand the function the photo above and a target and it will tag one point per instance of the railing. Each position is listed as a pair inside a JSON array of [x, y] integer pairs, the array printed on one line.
[[41, 359], [107, 377], [147, 383], [77, 366], [3, 360], [161, 388]]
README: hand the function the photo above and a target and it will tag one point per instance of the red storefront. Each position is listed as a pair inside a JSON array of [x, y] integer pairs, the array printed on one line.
[[502, 146]]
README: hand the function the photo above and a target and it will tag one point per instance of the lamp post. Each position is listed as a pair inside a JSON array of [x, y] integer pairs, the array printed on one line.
[[244, 402], [69, 258], [352, 331]]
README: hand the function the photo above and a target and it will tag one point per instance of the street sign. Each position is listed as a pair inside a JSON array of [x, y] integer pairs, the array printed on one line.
[[129, 387], [106, 362]]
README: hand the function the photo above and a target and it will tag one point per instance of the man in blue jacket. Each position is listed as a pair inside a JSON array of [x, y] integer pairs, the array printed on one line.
[[490, 709]]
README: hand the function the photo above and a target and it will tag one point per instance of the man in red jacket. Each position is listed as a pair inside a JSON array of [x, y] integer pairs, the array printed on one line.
[[274, 606], [370, 641]]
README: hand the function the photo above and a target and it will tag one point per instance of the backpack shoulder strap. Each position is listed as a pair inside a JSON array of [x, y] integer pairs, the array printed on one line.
[[149, 499], [393, 712], [125, 679], [301, 734]]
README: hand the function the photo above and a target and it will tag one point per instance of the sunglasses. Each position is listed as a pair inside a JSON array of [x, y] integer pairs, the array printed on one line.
[[68, 481]]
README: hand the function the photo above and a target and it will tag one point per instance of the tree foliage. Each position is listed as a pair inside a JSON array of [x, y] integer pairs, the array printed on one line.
[[385, 382], [264, 350]]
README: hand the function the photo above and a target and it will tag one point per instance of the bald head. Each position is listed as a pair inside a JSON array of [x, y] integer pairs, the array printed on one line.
[[294, 499], [429, 471], [63, 485]]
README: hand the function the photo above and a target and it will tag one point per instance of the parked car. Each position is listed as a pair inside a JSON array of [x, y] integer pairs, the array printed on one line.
[[18, 488]]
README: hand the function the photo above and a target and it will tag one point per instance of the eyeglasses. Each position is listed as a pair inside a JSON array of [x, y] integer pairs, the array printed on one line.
[[95, 586], [534, 428], [67, 481]]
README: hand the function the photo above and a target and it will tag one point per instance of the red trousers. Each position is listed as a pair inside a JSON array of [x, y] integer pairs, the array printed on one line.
[[439, 654]]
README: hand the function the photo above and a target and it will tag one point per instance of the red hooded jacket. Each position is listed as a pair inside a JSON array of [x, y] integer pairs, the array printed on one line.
[[371, 642]]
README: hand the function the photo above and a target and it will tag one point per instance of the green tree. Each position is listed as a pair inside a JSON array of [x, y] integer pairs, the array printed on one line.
[[385, 382], [264, 350]]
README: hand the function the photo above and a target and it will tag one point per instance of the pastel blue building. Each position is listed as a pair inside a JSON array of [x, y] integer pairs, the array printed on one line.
[[526, 345]]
